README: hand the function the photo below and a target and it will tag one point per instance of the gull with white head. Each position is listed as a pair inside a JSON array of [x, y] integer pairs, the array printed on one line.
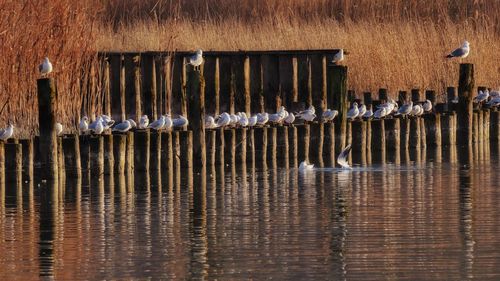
[[158, 124], [342, 158], [181, 121], [143, 122], [7, 133], [304, 166], [122, 127], [46, 67], [197, 59], [59, 128], [461, 52], [338, 57]]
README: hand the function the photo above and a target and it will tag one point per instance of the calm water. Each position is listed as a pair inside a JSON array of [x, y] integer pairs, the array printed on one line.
[[430, 217]]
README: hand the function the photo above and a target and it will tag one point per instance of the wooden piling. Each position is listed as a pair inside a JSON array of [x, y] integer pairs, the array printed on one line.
[[433, 129], [256, 86], [475, 127], [46, 120], [495, 126], [240, 68], [270, 78], [272, 146], [230, 146], [155, 151], [260, 140], [319, 84], [212, 90], [392, 135], [167, 152], [227, 85], [283, 147], [106, 86], [142, 142], [28, 159], [196, 94], [378, 140], [358, 131], [451, 95], [293, 147], [464, 108], [337, 84], [167, 83], [287, 80], [14, 163], [96, 144], [119, 152], [133, 86], [149, 86], [2, 173], [402, 97], [414, 132], [186, 149], [179, 103], [448, 129], [117, 87], [304, 81], [129, 157], [415, 95], [250, 142], [109, 158], [303, 137], [329, 144], [382, 95], [71, 150], [404, 124], [367, 99], [241, 145], [220, 146]]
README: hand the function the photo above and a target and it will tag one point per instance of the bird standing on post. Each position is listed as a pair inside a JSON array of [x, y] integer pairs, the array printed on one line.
[[196, 60], [461, 52], [46, 67], [338, 57]]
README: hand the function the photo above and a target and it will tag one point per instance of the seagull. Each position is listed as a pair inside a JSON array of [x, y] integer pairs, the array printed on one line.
[[46, 67], [107, 122], [278, 116], [329, 115], [427, 106], [84, 125], [181, 121], [339, 56], [308, 114], [5, 134], [482, 96], [495, 93], [197, 59], [368, 113], [262, 118], [252, 121], [353, 112], [416, 110], [143, 122], [97, 127], [381, 113], [405, 109], [59, 128], [158, 124], [243, 120], [461, 52], [495, 101], [210, 123], [289, 119], [304, 166], [362, 110], [122, 127], [132, 123], [224, 120], [342, 159], [168, 122], [234, 119]]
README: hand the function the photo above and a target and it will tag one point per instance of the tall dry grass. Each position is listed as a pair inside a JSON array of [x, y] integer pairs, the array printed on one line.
[[29, 31]]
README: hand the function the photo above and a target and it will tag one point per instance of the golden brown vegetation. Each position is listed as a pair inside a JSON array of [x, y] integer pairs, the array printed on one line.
[[392, 43]]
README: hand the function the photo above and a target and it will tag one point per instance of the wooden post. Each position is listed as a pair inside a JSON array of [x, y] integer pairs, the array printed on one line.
[[167, 85], [250, 142], [283, 147], [358, 131], [303, 134], [415, 95], [414, 132], [464, 109], [319, 84], [447, 129], [433, 129], [292, 143], [256, 86], [220, 146], [46, 119], [337, 83], [155, 151], [241, 145], [117, 87], [378, 140], [109, 159], [130, 151], [119, 149], [402, 97], [260, 139], [141, 150], [304, 81], [270, 76], [96, 144], [367, 99], [196, 95], [229, 146], [451, 95], [149, 85], [405, 126], [106, 87], [382, 95], [431, 96], [212, 91], [71, 149], [178, 104], [14, 163], [186, 149], [241, 103], [392, 134], [2, 174], [272, 146], [329, 144], [286, 82], [133, 86], [227, 85], [28, 159], [495, 125], [167, 152]]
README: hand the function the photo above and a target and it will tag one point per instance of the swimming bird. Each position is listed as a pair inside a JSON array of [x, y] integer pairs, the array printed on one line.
[[262, 118], [353, 112], [461, 52], [482, 96], [329, 115], [84, 125], [7, 133], [304, 166], [46, 67], [342, 158], [181, 121], [59, 128], [210, 122], [289, 119], [122, 127], [143, 122], [338, 57], [427, 106], [158, 124], [197, 59], [252, 121]]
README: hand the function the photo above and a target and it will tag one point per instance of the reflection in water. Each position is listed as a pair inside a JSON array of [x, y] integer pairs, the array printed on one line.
[[434, 215]]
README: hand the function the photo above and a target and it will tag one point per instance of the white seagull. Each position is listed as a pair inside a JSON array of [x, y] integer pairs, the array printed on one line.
[[132, 123], [339, 56], [158, 124], [252, 121], [262, 118], [46, 67], [168, 122], [342, 159], [289, 119], [197, 59], [304, 166], [243, 120], [427, 106], [353, 112], [143, 122], [181, 121], [84, 125], [482, 96], [461, 52], [122, 127], [368, 113], [224, 120], [59, 128], [5, 134], [210, 122], [97, 127], [329, 115], [405, 109], [381, 113], [362, 110]]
